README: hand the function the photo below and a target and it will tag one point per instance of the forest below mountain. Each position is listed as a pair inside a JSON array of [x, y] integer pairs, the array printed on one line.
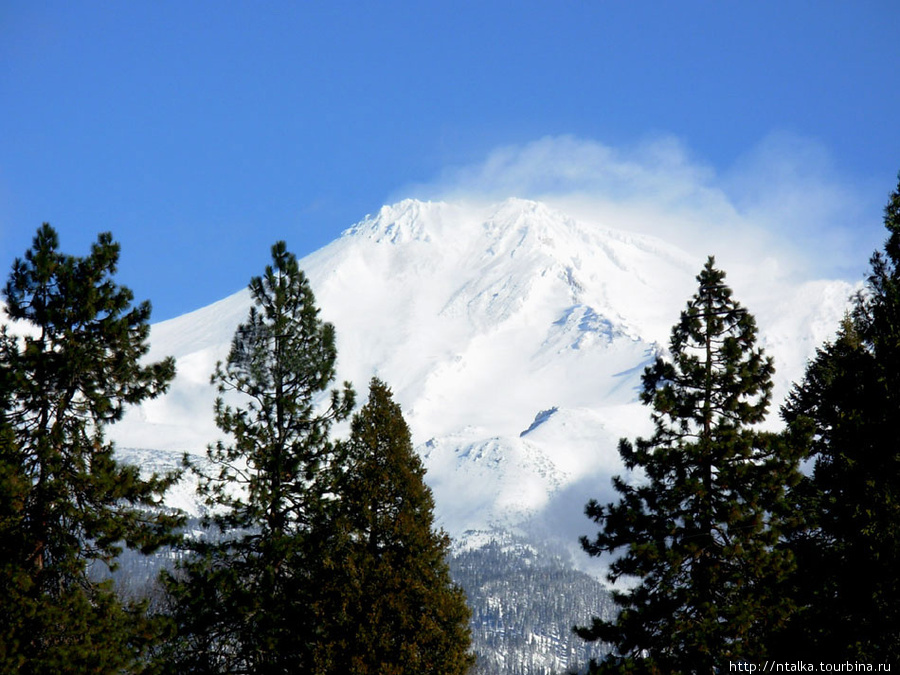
[[524, 601]]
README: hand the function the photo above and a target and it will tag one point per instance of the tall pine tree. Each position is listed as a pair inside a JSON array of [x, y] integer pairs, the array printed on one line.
[[849, 549], [392, 607], [66, 505], [242, 601], [698, 532]]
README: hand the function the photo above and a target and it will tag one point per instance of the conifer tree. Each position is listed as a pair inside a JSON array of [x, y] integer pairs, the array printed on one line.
[[699, 531], [242, 602], [67, 507], [849, 548], [393, 608]]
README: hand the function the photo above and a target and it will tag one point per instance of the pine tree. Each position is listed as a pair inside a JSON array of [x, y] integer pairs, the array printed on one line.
[[67, 507], [242, 600], [849, 548], [699, 532], [393, 608]]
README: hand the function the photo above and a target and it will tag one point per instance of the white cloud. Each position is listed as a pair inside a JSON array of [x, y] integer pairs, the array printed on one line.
[[660, 169], [781, 213]]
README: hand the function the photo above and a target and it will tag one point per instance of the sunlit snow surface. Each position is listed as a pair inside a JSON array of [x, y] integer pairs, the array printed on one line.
[[481, 319]]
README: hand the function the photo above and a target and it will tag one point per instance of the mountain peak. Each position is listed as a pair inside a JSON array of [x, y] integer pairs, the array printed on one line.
[[415, 220], [402, 222], [483, 319]]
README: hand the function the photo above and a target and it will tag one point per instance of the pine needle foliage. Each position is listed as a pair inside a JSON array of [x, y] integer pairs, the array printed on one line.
[[67, 507], [392, 609], [849, 548], [697, 533], [282, 358], [242, 599]]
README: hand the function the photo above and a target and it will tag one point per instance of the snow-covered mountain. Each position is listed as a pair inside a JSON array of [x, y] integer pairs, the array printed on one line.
[[513, 336]]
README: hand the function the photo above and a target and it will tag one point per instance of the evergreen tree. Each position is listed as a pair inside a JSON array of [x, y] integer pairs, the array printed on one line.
[[67, 507], [849, 549], [242, 601], [699, 531], [393, 608]]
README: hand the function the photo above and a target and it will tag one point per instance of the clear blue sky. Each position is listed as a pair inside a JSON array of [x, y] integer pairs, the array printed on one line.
[[200, 132]]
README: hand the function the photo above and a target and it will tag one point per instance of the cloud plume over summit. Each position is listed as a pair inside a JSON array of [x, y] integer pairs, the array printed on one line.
[[781, 208]]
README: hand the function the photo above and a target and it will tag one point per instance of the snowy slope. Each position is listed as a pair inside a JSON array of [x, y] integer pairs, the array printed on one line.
[[513, 336]]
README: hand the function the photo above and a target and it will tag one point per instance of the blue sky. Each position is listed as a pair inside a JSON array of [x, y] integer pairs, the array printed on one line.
[[201, 132]]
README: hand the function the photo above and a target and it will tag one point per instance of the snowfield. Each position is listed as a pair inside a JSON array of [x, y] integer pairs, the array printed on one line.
[[513, 336]]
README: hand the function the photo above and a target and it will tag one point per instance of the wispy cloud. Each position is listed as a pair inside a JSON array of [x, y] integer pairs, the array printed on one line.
[[790, 186], [781, 211]]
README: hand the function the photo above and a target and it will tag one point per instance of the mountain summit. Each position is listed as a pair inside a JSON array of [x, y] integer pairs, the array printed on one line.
[[513, 336]]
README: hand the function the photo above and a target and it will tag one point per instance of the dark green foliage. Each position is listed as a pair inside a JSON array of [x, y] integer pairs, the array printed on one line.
[[849, 550], [393, 609], [699, 530], [281, 359], [244, 602], [66, 506]]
